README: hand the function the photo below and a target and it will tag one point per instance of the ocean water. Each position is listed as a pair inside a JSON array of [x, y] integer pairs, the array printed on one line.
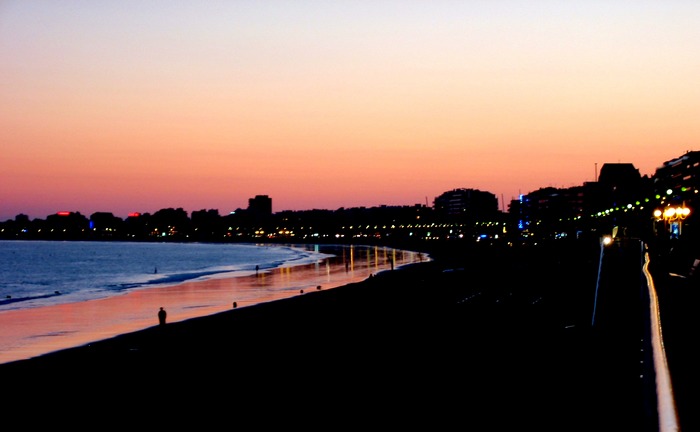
[[45, 273]]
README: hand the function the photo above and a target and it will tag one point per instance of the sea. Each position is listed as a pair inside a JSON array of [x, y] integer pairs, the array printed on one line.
[[45, 273]]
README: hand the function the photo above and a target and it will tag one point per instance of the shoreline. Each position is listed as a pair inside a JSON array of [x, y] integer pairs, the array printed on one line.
[[26, 333]]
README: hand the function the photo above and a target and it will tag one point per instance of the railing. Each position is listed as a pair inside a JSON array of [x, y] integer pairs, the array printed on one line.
[[666, 405]]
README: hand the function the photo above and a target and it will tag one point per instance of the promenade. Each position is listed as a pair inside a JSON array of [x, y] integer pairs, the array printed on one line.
[[488, 338]]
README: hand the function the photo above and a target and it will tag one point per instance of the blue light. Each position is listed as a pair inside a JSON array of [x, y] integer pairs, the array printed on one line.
[[675, 230]]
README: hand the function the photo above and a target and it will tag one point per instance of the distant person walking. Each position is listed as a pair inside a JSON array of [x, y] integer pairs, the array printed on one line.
[[161, 316]]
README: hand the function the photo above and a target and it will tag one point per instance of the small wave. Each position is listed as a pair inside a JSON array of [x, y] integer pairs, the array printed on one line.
[[10, 300], [174, 278]]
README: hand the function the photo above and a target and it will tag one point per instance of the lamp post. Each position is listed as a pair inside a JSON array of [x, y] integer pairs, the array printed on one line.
[[673, 218], [604, 241]]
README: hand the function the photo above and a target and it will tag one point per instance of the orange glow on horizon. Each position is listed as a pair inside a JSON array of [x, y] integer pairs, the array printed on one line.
[[335, 105]]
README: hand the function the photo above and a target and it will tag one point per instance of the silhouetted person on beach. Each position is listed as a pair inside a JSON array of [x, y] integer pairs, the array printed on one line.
[[161, 316]]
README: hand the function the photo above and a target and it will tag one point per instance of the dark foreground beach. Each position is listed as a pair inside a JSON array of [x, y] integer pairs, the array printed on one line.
[[480, 338]]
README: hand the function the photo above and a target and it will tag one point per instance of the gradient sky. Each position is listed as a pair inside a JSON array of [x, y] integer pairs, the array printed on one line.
[[124, 106]]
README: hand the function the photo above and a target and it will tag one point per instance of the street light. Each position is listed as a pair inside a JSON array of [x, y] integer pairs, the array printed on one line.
[[673, 218], [604, 241]]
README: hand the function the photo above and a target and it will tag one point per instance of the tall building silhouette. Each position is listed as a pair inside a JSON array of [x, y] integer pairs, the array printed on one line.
[[261, 205]]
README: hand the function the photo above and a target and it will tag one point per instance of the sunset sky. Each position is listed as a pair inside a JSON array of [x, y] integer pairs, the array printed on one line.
[[122, 106]]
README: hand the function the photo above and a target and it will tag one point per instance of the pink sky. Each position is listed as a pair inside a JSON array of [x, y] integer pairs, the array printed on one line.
[[124, 106]]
